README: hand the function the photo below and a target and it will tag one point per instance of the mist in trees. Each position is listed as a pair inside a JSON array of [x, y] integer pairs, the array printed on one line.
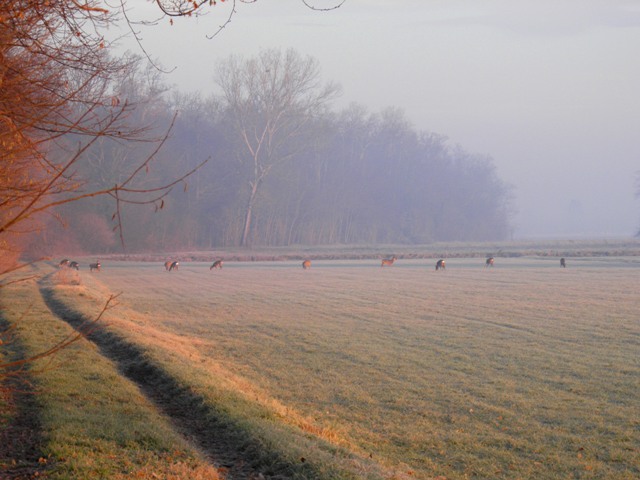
[[284, 168], [77, 128], [271, 99]]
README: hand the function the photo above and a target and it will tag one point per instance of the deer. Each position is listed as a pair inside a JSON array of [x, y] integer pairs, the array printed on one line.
[[167, 264], [489, 262], [174, 265], [94, 266], [563, 263], [63, 263], [216, 264], [75, 265], [388, 261], [306, 264], [440, 265]]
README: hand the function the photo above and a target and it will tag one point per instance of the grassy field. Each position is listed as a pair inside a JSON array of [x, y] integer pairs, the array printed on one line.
[[73, 415], [349, 370]]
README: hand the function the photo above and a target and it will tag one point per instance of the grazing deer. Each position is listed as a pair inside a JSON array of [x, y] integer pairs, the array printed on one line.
[[489, 262], [63, 263], [75, 265], [216, 264], [94, 266], [388, 261], [306, 264], [563, 264], [174, 265], [167, 264], [440, 264]]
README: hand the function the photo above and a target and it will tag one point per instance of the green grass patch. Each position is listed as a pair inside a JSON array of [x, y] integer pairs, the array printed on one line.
[[94, 423]]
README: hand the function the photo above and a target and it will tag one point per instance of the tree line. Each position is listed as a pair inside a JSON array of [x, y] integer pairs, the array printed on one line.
[[282, 167]]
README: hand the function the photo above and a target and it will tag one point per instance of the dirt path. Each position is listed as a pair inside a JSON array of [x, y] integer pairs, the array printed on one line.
[[226, 445]]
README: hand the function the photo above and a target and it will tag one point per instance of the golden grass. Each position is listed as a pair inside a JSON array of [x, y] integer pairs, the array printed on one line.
[[523, 370], [67, 276]]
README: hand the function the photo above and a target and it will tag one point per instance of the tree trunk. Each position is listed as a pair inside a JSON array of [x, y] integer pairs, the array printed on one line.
[[248, 214], [247, 225]]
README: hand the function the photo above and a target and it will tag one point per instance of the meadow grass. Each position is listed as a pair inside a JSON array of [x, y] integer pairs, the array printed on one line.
[[229, 410], [524, 370], [92, 423]]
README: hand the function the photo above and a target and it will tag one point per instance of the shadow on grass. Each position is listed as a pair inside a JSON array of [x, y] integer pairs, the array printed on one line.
[[228, 444], [20, 425]]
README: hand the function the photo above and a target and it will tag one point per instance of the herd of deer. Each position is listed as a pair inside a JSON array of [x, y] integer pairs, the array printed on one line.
[[66, 263], [170, 265]]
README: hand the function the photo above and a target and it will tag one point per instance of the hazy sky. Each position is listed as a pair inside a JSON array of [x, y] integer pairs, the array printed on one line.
[[550, 89]]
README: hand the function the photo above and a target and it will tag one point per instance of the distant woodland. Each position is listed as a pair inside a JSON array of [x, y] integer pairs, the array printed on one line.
[[283, 167]]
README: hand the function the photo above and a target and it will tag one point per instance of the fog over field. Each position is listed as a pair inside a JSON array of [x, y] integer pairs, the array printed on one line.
[[547, 89]]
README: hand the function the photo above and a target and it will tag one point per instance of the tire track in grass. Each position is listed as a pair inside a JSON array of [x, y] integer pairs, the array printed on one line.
[[229, 446]]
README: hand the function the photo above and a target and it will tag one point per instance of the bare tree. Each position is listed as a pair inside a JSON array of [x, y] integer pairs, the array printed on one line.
[[271, 98], [56, 84], [188, 8], [181, 8]]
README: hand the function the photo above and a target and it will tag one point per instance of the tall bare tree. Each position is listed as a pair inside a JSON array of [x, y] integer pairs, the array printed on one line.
[[271, 98], [56, 83]]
